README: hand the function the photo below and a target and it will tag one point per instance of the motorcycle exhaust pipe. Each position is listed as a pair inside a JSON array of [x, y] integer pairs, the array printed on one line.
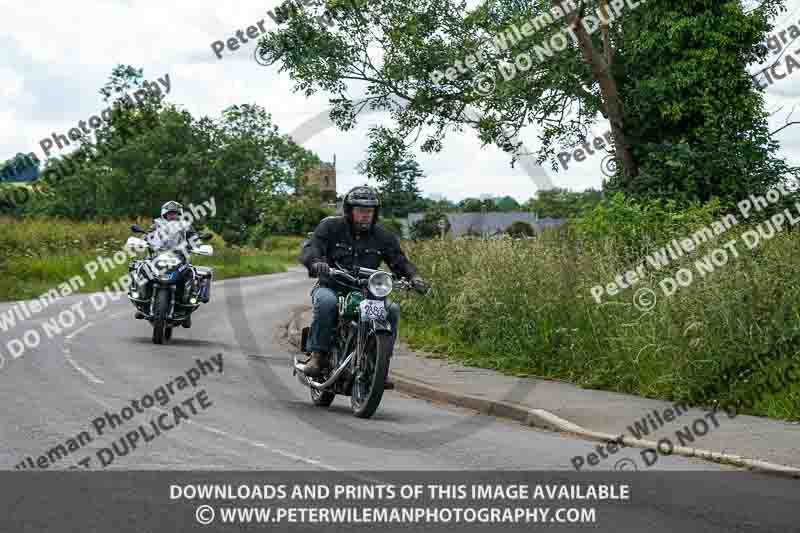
[[331, 380]]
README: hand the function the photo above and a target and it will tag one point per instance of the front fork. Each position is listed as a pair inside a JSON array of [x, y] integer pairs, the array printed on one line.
[[365, 328], [157, 288]]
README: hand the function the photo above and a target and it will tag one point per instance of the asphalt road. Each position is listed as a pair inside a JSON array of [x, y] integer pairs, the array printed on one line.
[[256, 416]]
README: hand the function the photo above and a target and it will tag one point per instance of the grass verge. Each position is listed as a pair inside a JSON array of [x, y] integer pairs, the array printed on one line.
[[525, 308], [37, 255]]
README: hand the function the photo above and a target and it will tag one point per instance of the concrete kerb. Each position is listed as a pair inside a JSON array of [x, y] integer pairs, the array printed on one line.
[[542, 419]]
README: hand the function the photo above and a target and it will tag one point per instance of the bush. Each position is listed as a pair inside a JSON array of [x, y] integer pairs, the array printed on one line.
[[635, 228], [297, 216], [520, 229], [428, 227], [233, 236], [393, 226]]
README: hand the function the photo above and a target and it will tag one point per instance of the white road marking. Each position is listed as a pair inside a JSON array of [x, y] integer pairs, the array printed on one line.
[[91, 377], [82, 328], [261, 445], [245, 440], [67, 355]]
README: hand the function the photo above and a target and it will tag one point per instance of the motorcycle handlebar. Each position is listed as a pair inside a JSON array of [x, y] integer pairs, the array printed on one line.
[[397, 283]]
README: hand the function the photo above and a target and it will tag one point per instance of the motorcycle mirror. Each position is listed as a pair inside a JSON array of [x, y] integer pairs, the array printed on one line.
[[204, 249]]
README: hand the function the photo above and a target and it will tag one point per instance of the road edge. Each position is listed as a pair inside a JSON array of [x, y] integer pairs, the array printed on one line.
[[542, 419]]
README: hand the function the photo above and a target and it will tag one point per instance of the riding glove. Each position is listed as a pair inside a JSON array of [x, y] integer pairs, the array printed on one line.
[[321, 269]]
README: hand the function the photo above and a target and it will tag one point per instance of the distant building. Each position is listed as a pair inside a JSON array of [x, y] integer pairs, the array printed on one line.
[[488, 224], [324, 177]]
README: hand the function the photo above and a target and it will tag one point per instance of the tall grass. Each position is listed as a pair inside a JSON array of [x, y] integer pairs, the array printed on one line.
[[38, 254], [524, 307]]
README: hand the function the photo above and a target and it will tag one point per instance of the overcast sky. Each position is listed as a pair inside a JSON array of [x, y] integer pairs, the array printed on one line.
[[56, 55]]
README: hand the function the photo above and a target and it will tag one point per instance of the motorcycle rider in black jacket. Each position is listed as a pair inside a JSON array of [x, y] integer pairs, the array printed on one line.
[[349, 240]]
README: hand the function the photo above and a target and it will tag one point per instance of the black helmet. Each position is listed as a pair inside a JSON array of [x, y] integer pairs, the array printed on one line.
[[361, 196]]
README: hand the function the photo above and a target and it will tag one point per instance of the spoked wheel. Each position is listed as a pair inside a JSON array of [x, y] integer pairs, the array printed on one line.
[[368, 385]]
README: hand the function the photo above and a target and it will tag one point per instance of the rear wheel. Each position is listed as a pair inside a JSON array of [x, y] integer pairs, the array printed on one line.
[[368, 385], [160, 311]]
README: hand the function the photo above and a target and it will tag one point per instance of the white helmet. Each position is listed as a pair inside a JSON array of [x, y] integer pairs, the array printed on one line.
[[171, 207]]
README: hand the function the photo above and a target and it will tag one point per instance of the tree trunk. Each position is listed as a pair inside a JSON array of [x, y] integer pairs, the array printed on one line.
[[601, 70]]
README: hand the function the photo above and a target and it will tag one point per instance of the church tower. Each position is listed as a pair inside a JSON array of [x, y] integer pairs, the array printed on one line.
[[324, 177]]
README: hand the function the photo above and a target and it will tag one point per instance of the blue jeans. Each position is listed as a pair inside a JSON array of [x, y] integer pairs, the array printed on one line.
[[326, 312]]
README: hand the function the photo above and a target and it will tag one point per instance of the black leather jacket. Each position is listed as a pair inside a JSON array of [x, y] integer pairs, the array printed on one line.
[[334, 242]]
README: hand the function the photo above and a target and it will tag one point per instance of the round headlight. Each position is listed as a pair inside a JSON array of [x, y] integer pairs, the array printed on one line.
[[380, 284]]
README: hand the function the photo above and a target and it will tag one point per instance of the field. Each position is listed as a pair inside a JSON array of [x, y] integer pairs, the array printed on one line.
[[38, 254]]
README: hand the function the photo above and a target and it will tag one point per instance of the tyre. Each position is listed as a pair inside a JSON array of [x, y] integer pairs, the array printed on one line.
[[168, 334], [368, 388], [160, 312]]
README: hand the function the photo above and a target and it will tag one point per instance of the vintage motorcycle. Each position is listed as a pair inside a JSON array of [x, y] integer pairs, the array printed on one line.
[[359, 359], [155, 280]]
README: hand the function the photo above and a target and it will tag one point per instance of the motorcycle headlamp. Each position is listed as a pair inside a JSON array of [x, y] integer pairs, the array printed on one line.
[[380, 284], [166, 260]]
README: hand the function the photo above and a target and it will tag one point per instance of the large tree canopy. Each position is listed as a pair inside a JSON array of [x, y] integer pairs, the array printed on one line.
[[670, 76], [155, 152]]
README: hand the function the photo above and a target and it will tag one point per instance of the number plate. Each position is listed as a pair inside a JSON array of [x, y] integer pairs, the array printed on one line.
[[373, 310]]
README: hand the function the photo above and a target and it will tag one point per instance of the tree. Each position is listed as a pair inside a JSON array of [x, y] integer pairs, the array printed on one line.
[[428, 226], [562, 203], [472, 205], [688, 125], [506, 204], [396, 172], [21, 167], [155, 152], [393, 226]]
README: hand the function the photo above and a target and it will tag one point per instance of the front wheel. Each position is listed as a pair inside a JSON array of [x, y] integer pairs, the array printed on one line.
[[160, 312], [368, 386]]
